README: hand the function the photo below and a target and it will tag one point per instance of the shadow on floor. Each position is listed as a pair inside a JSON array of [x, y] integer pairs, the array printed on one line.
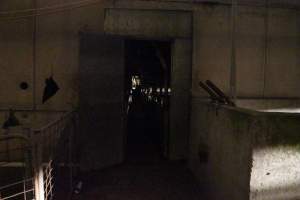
[[164, 180]]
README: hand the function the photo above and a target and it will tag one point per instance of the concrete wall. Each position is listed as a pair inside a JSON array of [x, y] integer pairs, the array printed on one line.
[[267, 62], [56, 41], [16, 58], [276, 158], [244, 154], [28, 54], [101, 106], [31, 119], [221, 149], [264, 70], [292, 105], [267, 59]]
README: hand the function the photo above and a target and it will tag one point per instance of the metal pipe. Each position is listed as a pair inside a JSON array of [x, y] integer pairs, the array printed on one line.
[[219, 92], [211, 93]]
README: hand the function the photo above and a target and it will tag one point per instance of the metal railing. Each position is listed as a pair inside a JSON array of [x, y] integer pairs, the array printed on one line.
[[15, 153], [40, 160], [21, 189]]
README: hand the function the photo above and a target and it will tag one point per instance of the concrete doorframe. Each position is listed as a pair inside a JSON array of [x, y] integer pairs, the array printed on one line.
[[161, 25]]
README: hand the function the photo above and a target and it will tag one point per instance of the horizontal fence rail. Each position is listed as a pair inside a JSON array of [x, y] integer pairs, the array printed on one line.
[[36, 153]]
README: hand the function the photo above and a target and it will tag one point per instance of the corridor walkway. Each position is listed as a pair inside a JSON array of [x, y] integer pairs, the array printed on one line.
[[146, 174], [160, 180]]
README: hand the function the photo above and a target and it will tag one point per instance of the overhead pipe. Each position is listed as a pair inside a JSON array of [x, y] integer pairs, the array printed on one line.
[[218, 91]]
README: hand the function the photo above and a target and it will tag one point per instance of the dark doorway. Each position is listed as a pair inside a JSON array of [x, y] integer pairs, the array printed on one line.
[[148, 90]]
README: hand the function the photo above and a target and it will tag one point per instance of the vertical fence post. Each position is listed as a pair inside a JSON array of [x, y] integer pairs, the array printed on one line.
[[38, 165], [24, 189], [27, 154], [70, 152], [71, 137]]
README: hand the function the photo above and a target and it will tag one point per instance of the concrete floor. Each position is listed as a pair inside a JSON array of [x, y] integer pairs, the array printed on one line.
[[145, 175], [163, 180]]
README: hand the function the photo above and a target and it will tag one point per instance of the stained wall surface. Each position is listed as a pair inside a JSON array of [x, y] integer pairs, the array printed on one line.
[[34, 48], [267, 50], [221, 150], [275, 173], [245, 154]]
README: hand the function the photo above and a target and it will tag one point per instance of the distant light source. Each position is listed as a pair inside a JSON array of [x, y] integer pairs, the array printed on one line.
[[135, 82]]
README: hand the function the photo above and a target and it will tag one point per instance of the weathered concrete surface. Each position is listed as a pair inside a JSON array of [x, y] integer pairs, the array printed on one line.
[[170, 24], [275, 73], [275, 174], [227, 140], [102, 109], [16, 58], [29, 119], [267, 59], [180, 99], [276, 158], [57, 44], [236, 142], [269, 104]]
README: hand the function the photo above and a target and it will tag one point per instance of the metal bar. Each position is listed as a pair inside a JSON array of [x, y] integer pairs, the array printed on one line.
[[211, 93], [24, 187], [49, 178], [15, 149], [48, 183], [219, 92], [55, 121], [17, 194], [70, 155], [38, 168], [16, 183], [14, 136], [42, 181], [50, 192], [12, 164]]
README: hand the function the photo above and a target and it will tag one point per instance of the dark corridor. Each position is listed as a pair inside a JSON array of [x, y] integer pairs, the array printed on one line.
[[147, 87], [146, 174]]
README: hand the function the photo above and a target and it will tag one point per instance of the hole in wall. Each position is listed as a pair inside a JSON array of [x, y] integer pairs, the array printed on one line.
[[24, 85]]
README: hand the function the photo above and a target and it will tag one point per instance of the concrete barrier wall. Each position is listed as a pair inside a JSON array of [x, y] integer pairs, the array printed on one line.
[[245, 154], [221, 149], [276, 158]]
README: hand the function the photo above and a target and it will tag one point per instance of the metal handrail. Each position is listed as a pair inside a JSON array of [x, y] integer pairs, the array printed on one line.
[[64, 116], [34, 140]]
